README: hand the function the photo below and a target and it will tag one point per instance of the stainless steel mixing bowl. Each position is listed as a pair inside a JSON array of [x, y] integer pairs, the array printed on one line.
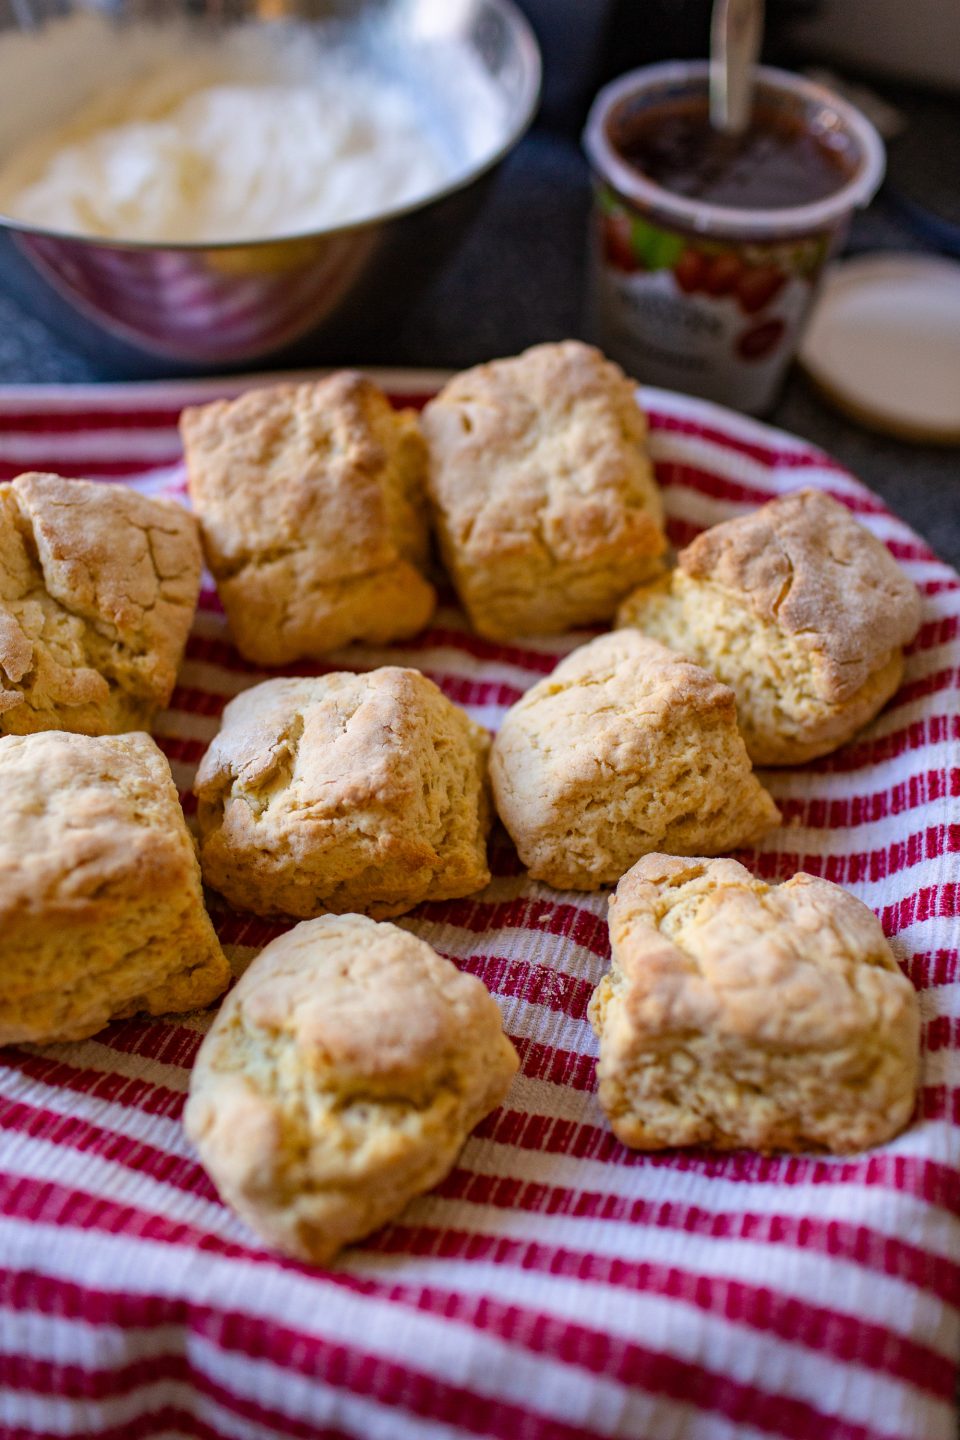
[[151, 309]]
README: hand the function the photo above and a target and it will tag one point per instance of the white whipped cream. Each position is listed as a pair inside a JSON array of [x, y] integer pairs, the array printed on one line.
[[169, 159]]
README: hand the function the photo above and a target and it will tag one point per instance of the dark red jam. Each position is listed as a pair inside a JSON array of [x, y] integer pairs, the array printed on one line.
[[777, 164]]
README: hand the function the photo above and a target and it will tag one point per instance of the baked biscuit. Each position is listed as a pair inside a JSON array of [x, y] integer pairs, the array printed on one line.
[[624, 748], [544, 498], [340, 1079], [98, 588], [347, 792], [311, 504], [101, 909], [737, 1013], [800, 610]]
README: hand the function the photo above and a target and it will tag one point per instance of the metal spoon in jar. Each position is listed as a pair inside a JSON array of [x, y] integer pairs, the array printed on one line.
[[736, 34]]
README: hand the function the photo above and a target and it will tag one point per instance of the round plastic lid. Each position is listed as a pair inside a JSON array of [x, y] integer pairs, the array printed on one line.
[[884, 344]]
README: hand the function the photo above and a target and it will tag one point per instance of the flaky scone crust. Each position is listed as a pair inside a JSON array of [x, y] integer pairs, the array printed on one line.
[[312, 507], [736, 1013], [543, 494], [98, 589], [340, 1079], [624, 748], [346, 792], [101, 907], [800, 610]]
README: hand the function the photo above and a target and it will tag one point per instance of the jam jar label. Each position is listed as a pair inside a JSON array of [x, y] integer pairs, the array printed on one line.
[[718, 317]]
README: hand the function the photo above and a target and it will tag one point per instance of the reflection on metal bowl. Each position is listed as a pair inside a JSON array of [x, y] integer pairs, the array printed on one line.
[[143, 309]]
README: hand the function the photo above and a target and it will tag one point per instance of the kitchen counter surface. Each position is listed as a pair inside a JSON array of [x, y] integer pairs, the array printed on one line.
[[518, 279]]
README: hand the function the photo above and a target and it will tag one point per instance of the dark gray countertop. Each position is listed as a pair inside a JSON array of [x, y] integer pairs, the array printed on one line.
[[517, 279]]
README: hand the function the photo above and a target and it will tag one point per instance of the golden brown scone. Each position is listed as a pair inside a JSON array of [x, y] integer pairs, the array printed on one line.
[[543, 494], [736, 1013], [101, 909], [800, 610], [347, 792], [340, 1079], [624, 749], [313, 515], [98, 588]]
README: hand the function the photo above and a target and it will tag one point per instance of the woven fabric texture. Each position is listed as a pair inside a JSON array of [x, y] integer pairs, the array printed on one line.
[[555, 1286]]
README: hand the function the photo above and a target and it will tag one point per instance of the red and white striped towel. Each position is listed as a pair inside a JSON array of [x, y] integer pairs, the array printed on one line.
[[556, 1285]]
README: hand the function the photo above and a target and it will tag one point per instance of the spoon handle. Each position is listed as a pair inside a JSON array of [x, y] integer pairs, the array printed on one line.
[[736, 34]]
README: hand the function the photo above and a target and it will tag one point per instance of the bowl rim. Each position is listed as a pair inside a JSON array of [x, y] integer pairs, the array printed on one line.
[[532, 68]]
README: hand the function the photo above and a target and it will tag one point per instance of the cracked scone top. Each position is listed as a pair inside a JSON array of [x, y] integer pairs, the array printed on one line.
[[544, 497], [346, 792], [312, 508], [101, 907], [624, 748], [340, 1079], [736, 1013], [98, 588], [800, 610]]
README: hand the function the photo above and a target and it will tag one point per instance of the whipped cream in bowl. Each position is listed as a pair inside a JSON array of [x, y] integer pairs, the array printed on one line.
[[261, 136], [186, 185], [224, 160]]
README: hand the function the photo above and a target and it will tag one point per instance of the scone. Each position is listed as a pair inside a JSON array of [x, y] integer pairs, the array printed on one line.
[[800, 610], [101, 908], [625, 748], [737, 1013], [98, 588], [347, 792], [543, 494], [340, 1079], [313, 515]]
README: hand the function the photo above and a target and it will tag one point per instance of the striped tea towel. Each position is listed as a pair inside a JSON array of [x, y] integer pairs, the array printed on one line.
[[555, 1286]]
